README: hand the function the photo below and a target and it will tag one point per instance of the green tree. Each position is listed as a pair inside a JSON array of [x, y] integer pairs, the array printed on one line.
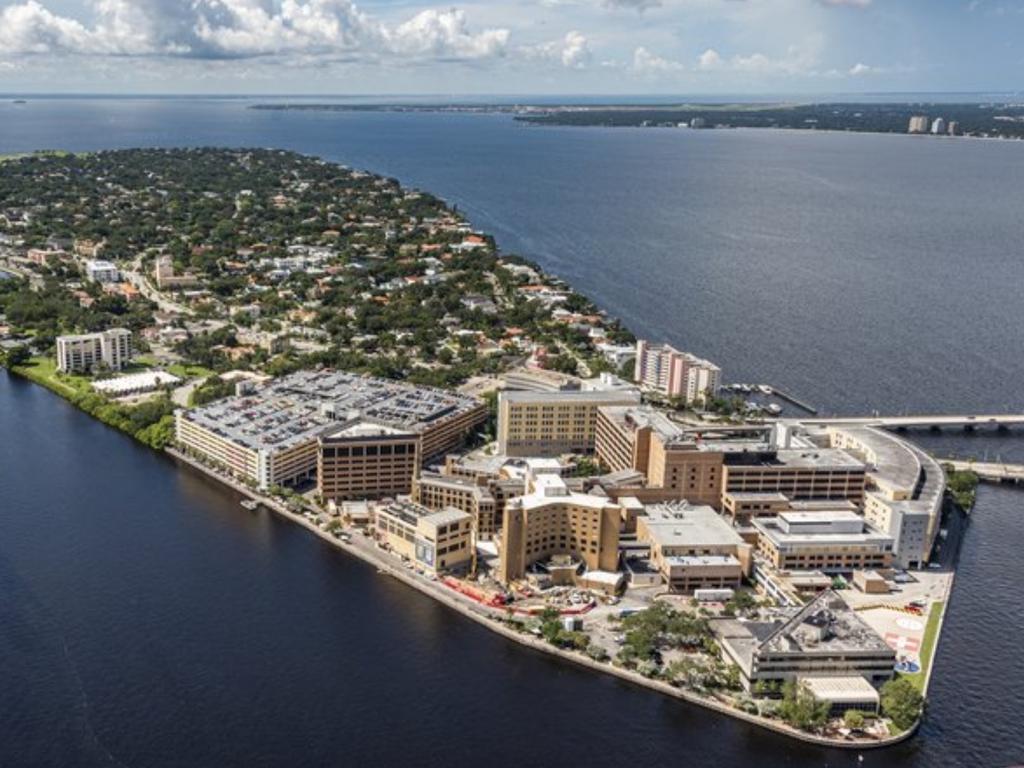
[[901, 702], [853, 719], [800, 709]]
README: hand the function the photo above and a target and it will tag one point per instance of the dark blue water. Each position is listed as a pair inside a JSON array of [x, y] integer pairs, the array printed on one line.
[[147, 620]]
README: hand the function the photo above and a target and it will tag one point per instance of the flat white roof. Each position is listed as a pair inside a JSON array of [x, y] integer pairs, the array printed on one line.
[[840, 690]]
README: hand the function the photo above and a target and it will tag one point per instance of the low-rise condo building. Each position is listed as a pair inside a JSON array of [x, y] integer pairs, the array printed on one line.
[[664, 369], [435, 540], [271, 436], [87, 352], [553, 423], [100, 271], [366, 460], [825, 638], [551, 521]]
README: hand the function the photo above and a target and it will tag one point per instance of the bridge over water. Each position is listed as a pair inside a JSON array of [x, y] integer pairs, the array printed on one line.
[[937, 421], [992, 472]]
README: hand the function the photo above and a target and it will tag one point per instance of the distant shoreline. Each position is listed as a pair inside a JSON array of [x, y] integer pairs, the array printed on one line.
[[972, 120]]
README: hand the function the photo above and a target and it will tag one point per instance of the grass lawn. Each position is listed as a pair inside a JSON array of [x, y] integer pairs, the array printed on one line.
[[43, 370], [931, 636], [189, 371]]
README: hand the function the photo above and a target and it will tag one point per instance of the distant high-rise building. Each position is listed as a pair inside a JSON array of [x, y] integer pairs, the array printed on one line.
[[918, 124], [953, 128], [665, 369], [938, 126]]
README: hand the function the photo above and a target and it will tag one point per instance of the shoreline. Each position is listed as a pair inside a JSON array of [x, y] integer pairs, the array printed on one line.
[[492, 621]]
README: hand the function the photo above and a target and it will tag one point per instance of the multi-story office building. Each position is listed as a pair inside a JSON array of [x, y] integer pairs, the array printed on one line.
[[701, 466], [836, 541], [435, 540], [692, 546], [482, 497], [823, 473], [552, 423], [550, 521], [365, 460], [826, 638], [664, 369], [271, 436], [642, 439], [905, 490], [100, 271], [86, 352]]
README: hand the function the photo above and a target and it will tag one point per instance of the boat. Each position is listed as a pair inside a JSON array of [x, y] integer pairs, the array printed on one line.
[[20, 101], [249, 504], [765, 389], [774, 409]]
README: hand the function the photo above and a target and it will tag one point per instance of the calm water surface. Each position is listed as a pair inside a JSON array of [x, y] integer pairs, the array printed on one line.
[[147, 620]]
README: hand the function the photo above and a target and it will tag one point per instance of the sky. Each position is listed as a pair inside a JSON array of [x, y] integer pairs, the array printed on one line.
[[685, 47]]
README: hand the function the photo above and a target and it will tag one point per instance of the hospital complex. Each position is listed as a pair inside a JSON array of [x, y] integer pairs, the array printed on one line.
[[703, 506]]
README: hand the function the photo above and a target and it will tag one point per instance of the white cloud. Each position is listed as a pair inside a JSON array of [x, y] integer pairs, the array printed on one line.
[[709, 61], [646, 62], [576, 52], [796, 61], [846, 3], [31, 28], [861, 69], [245, 28], [573, 51], [633, 5]]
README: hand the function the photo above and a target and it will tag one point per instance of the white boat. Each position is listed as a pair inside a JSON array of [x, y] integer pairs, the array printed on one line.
[[249, 504], [774, 409], [765, 389]]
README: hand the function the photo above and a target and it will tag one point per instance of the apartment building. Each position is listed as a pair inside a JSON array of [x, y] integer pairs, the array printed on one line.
[[271, 436], [827, 541], [918, 124], [167, 280], [438, 541], [101, 271], [664, 369], [552, 521], [553, 423], [83, 353], [366, 460]]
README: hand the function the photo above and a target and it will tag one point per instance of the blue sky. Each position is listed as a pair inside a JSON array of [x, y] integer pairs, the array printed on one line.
[[511, 46]]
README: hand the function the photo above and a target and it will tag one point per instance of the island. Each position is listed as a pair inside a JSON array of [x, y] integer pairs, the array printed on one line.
[[354, 356]]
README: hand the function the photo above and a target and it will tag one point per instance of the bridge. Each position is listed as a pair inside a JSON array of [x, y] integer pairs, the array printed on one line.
[[989, 471], [966, 421]]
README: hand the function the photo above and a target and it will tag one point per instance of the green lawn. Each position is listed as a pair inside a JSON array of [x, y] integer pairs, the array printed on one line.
[[931, 636], [188, 371], [43, 370]]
